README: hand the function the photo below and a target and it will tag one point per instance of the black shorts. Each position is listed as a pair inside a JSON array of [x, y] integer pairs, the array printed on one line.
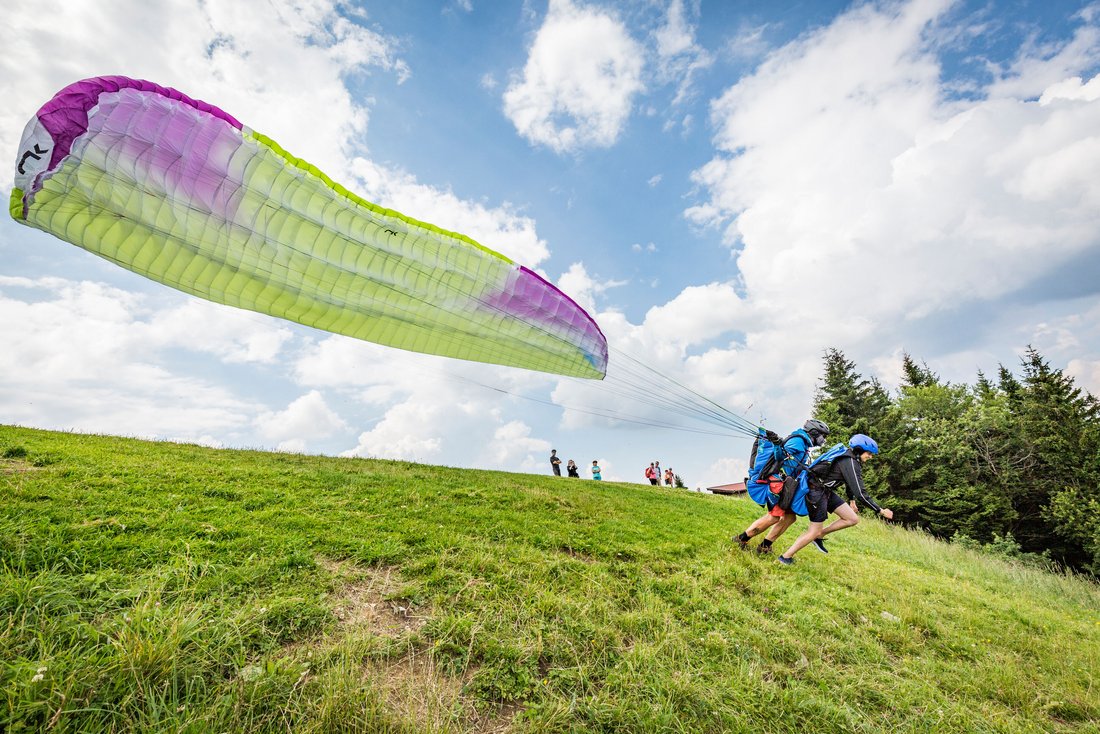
[[820, 502]]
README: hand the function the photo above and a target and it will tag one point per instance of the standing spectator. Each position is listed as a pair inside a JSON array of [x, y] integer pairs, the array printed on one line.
[[651, 474], [669, 477], [596, 471], [657, 473], [571, 469], [555, 462]]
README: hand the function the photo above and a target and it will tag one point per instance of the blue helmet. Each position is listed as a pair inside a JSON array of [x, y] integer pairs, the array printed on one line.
[[866, 443]]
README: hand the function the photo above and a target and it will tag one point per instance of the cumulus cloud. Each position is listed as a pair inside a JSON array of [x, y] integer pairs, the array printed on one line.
[[233, 335], [584, 288], [577, 89], [308, 416], [421, 406], [85, 356], [258, 66], [513, 446], [424, 423], [842, 159]]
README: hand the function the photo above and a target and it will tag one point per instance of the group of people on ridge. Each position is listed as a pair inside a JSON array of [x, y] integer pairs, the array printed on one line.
[[571, 467], [654, 475], [840, 465]]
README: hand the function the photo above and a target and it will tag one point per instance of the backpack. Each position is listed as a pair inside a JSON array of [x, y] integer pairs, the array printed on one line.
[[767, 461], [817, 467]]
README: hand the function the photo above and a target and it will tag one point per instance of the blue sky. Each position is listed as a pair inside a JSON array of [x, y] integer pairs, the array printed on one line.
[[729, 187]]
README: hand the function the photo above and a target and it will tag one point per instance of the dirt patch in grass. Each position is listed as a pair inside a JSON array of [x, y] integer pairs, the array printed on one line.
[[416, 687], [16, 466], [369, 598]]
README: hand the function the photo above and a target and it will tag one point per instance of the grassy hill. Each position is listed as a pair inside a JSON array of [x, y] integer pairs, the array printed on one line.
[[162, 587]]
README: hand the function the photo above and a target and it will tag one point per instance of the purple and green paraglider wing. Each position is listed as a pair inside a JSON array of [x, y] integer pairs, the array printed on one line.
[[179, 191]]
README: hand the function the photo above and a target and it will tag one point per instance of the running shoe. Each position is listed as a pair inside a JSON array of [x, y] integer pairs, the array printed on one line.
[[785, 561], [742, 544], [820, 545], [764, 550]]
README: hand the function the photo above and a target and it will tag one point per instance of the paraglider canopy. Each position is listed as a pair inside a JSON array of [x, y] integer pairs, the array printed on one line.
[[179, 191]]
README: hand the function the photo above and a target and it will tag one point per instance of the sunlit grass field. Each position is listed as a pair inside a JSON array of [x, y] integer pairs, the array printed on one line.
[[161, 587]]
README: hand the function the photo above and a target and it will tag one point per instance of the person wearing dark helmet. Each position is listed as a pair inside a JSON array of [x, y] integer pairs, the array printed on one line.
[[823, 479], [795, 448]]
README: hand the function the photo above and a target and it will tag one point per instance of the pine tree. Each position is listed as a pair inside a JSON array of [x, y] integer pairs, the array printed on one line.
[[1061, 424], [917, 375]]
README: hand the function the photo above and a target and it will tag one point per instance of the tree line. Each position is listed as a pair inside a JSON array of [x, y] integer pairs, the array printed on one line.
[[1010, 463]]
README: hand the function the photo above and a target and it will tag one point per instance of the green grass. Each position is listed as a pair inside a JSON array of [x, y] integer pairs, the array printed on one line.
[[163, 587]]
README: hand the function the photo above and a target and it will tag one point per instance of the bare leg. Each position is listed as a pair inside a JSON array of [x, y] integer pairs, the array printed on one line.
[[812, 532], [846, 517], [761, 525], [781, 527]]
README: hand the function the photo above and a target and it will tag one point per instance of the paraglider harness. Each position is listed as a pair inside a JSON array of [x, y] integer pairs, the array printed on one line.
[[812, 474], [768, 478]]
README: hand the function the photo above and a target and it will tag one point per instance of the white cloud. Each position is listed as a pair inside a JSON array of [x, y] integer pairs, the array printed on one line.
[[695, 316], [513, 446], [1086, 374], [86, 356], [654, 180], [1037, 68], [257, 66], [233, 335], [724, 471], [843, 161], [748, 42], [583, 288], [577, 88], [679, 57], [307, 416]]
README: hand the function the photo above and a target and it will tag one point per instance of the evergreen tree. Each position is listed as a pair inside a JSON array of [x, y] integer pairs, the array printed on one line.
[[1015, 458], [1061, 424], [917, 375], [836, 401]]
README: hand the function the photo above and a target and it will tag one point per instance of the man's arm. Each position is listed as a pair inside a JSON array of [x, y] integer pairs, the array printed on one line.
[[852, 473]]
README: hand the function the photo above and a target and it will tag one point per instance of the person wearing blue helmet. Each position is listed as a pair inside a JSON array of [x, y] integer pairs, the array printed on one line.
[[823, 479]]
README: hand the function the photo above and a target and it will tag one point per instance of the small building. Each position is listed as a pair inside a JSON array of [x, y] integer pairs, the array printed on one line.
[[734, 489]]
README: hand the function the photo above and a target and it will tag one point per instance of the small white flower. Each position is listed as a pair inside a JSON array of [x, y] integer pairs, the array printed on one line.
[[41, 670], [37, 677]]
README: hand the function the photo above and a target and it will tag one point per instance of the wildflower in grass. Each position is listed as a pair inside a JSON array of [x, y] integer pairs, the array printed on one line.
[[37, 677]]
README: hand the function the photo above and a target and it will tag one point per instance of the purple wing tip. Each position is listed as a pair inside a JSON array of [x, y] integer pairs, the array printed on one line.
[[580, 320], [65, 116]]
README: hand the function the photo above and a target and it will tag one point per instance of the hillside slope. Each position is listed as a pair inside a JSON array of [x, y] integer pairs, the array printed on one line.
[[155, 586]]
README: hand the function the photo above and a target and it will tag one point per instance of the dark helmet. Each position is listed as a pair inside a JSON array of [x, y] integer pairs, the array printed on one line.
[[817, 430], [864, 443]]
